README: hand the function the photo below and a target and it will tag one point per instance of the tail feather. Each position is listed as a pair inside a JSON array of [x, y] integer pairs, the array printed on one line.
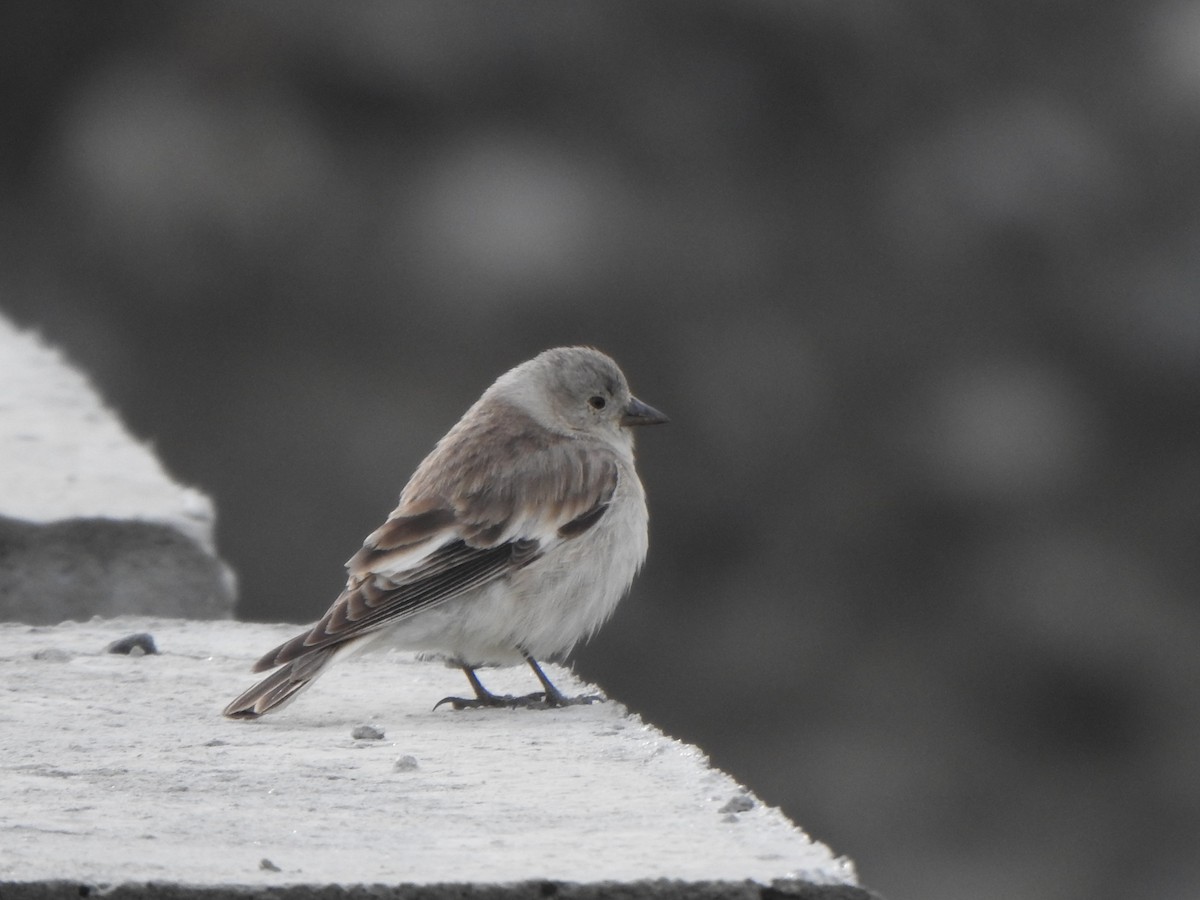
[[282, 685]]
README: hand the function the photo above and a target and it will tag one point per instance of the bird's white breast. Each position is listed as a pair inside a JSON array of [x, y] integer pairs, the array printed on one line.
[[550, 605]]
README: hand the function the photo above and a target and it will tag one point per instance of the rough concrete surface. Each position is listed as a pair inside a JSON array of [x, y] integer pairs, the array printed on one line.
[[90, 523], [119, 774]]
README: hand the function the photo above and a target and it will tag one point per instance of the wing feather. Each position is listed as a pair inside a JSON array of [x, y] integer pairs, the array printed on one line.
[[488, 501]]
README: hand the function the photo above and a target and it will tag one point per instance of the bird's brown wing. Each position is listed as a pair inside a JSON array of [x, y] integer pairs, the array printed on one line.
[[484, 517]]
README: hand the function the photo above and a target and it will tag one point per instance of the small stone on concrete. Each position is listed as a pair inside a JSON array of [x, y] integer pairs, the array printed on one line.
[[133, 645], [739, 803], [367, 733], [405, 764]]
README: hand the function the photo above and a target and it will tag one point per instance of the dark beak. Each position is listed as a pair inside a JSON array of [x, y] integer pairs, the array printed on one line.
[[639, 413]]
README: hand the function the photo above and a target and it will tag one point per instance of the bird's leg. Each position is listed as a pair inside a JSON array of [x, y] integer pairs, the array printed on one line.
[[553, 696], [549, 697], [483, 697]]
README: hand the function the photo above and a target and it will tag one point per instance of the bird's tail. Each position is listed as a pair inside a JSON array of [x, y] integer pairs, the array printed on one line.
[[282, 685]]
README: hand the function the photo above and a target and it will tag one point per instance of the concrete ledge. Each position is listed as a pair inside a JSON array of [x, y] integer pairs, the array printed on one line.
[[121, 776], [533, 890], [79, 567], [89, 521]]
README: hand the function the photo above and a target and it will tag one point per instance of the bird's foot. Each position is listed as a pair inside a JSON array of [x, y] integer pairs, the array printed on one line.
[[550, 698], [538, 700], [554, 700], [486, 701]]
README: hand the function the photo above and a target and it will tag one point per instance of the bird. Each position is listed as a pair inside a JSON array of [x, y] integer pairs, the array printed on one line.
[[514, 539]]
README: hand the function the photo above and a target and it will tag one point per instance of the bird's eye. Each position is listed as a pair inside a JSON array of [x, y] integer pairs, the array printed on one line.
[[597, 402]]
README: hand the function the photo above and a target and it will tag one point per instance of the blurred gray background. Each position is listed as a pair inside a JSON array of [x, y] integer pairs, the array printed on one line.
[[918, 283]]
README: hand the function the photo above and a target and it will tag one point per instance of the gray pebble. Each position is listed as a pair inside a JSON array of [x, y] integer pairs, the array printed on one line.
[[133, 645], [367, 733], [405, 764], [740, 803]]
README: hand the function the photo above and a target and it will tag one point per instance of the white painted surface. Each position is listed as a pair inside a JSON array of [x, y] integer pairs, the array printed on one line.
[[67, 456], [120, 768]]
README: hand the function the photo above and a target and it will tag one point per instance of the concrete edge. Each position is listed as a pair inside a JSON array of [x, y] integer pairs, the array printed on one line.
[[74, 569], [659, 889]]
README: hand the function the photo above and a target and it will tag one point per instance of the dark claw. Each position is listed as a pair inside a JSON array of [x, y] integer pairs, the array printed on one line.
[[489, 701], [581, 700]]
